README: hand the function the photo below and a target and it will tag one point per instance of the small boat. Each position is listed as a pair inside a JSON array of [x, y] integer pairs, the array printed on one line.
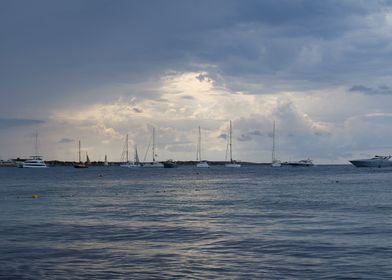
[[275, 162], [304, 162], [232, 163], [81, 164], [169, 164], [154, 163], [34, 161], [7, 163], [376, 161], [201, 163]]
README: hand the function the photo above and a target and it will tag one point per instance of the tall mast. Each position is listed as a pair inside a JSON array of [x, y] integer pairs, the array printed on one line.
[[198, 156], [126, 143], [36, 143], [273, 143], [153, 144], [80, 160], [136, 160], [231, 154]]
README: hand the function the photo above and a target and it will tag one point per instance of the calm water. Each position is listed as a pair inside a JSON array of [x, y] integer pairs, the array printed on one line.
[[326, 222]]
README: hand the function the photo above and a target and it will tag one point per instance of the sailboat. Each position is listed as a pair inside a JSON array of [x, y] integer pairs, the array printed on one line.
[[154, 163], [36, 160], [81, 164], [232, 163], [105, 163], [201, 163], [128, 163], [275, 162]]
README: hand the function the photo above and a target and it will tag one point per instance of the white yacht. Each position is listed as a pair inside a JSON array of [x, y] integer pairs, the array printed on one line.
[[201, 163], [376, 161], [275, 162], [232, 163], [34, 161]]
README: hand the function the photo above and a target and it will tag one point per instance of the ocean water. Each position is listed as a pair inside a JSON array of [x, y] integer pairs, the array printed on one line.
[[256, 222]]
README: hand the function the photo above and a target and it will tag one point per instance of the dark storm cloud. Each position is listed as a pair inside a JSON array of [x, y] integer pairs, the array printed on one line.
[[9, 123], [371, 90], [58, 52]]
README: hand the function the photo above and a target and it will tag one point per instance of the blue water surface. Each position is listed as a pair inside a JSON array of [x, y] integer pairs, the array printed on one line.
[[255, 222]]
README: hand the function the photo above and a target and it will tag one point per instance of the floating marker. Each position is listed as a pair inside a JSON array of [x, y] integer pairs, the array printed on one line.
[[34, 196]]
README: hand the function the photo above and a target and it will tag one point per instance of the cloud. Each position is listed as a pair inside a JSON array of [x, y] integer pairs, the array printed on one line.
[[66, 141], [10, 123], [372, 91]]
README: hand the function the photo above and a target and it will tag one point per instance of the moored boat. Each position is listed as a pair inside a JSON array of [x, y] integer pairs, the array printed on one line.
[[81, 164], [232, 163], [34, 161], [304, 162], [275, 162], [169, 164], [201, 163], [376, 161], [154, 163]]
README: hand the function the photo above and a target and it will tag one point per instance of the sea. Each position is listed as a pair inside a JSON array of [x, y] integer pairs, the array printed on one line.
[[254, 222]]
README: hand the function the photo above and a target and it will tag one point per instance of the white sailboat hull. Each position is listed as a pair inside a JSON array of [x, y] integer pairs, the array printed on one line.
[[153, 165], [202, 164], [130, 165], [233, 165]]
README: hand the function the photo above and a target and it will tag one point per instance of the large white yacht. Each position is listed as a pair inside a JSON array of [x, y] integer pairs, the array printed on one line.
[[376, 161], [34, 162]]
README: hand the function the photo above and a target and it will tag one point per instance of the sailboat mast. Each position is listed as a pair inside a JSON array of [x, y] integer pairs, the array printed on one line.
[[153, 144], [273, 142], [36, 143], [198, 157], [127, 152], [136, 160], [80, 160], [231, 153]]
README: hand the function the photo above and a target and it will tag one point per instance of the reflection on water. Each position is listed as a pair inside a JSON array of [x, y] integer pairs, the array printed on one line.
[[253, 222]]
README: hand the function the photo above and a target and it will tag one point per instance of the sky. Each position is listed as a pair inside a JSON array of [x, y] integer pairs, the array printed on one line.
[[97, 70]]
